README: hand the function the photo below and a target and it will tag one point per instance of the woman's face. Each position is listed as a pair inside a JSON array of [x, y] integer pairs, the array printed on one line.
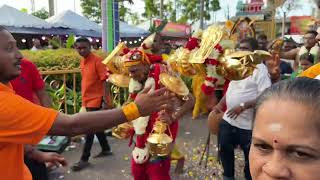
[[285, 142], [305, 64]]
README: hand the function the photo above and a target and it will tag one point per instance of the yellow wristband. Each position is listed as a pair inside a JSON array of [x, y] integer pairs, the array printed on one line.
[[131, 111]]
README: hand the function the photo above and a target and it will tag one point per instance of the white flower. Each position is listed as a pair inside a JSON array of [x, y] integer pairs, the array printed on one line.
[[134, 86]]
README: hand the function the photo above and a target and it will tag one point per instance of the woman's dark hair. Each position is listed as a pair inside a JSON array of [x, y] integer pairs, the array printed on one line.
[[307, 56], [301, 90]]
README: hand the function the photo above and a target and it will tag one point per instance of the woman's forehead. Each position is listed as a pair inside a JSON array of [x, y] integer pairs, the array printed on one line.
[[285, 119]]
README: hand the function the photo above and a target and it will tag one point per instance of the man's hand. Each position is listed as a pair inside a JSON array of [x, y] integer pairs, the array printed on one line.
[[149, 102], [235, 112], [166, 117], [50, 157]]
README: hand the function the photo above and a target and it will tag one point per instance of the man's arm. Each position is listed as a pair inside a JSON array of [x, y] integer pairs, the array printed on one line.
[[290, 55], [44, 98], [89, 122], [27, 123]]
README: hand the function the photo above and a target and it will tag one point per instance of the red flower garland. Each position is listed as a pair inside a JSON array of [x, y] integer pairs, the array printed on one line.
[[207, 90], [219, 48], [213, 62]]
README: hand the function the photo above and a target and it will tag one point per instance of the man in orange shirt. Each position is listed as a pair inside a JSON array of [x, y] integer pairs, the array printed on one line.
[[95, 94], [23, 122], [26, 85]]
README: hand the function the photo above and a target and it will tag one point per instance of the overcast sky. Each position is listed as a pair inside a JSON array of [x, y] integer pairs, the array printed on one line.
[[74, 5]]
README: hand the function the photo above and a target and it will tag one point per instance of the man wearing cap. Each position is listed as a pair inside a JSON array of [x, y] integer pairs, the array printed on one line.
[[145, 72]]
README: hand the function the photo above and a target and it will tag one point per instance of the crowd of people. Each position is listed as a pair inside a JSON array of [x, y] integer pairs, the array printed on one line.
[[271, 115]]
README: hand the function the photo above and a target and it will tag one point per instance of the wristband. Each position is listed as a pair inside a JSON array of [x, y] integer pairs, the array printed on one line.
[[131, 111]]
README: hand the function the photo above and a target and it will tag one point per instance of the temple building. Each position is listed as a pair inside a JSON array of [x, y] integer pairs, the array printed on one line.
[[253, 8]]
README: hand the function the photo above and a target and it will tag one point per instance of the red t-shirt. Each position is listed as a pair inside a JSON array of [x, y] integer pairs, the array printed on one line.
[[28, 82]]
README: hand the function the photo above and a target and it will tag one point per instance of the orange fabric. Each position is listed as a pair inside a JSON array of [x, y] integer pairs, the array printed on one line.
[[312, 72], [22, 122], [94, 74]]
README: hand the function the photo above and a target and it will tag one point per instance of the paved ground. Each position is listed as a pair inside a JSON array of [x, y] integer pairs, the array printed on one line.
[[192, 138]]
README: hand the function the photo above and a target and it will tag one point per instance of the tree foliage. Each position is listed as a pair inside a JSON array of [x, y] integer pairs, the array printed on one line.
[[92, 10], [191, 10], [42, 14], [152, 10]]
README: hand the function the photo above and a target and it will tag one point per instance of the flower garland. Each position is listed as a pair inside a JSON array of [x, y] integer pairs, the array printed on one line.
[[140, 153], [208, 87]]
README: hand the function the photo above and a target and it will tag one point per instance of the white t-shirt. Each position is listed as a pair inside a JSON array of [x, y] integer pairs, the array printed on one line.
[[246, 90]]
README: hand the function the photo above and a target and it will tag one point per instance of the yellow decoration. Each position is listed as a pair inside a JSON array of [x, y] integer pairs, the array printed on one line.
[[159, 143], [122, 131], [174, 84], [131, 111], [240, 64], [229, 25], [210, 38], [200, 97], [114, 60], [119, 80]]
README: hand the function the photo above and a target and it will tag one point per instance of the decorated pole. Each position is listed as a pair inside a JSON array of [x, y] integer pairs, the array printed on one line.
[[110, 28], [116, 32], [104, 25], [110, 24]]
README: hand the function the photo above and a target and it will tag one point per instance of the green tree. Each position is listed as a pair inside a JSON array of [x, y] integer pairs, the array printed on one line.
[[191, 10], [152, 10], [42, 14], [92, 9]]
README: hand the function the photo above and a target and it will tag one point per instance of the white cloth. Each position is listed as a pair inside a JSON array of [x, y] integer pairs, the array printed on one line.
[[243, 91]]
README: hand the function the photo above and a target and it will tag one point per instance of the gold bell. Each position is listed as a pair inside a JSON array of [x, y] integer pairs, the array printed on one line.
[[158, 142]]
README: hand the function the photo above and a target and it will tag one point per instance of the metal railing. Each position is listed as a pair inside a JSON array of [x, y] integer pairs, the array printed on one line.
[[58, 83]]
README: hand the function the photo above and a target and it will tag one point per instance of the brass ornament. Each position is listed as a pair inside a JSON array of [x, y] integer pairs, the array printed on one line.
[[119, 80], [114, 61], [241, 64], [174, 84], [210, 38], [159, 143], [179, 62], [122, 131]]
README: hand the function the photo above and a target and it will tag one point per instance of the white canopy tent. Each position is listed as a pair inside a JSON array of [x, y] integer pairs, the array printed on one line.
[[69, 19], [19, 22], [12, 17]]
